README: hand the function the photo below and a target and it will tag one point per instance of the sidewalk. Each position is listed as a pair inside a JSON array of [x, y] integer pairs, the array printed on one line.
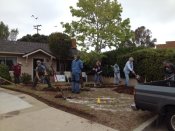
[[20, 112]]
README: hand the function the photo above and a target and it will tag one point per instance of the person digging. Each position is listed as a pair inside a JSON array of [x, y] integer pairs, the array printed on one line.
[[41, 75], [127, 69]]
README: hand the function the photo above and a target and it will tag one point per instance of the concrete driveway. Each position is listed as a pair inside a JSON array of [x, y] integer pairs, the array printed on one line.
[[20, 112]]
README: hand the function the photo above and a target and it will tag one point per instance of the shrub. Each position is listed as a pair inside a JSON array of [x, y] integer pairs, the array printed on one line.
[[90, 59], [4, 72], [26, 78], [148, 62], [112, 57]]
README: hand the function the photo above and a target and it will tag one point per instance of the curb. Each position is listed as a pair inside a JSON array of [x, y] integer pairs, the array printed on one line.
[[146, 124]]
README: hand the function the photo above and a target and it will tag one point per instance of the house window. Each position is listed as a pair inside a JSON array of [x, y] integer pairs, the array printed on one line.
[[9, 61]]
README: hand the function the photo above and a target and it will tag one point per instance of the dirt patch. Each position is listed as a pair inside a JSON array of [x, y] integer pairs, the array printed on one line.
[[102, 105], [124, 89]]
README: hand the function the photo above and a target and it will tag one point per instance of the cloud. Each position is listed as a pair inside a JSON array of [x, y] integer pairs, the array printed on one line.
[[156, 15], [17, 14], [155, 10]]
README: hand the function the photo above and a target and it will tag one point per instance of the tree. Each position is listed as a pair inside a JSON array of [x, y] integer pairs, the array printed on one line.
[[60, 45], [4, 31], [13, 34], [143, 37], [34, 38], [99, 24], [91, 57]]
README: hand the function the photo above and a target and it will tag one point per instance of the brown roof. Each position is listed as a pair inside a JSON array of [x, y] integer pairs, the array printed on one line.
[[169, 44], [22, 47], [26, 47]]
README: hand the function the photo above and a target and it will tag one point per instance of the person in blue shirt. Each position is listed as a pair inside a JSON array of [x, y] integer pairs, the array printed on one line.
[[41, 75], [77, 66], [127, 69]]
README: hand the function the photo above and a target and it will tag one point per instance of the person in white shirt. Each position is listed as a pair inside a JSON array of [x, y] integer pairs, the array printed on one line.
[[127, 69], [116, 69]]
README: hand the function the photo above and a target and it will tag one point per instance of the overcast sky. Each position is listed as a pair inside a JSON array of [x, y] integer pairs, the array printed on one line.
[[156, 15]]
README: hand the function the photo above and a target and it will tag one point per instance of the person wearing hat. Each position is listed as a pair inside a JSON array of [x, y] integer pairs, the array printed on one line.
[[17, 72], [41, 74], [127, 69]]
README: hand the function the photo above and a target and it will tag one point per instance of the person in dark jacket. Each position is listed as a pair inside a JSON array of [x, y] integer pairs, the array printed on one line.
[[169, 70], [98, 71], [77, 66]]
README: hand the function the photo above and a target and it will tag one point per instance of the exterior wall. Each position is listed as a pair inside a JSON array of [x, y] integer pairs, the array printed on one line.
[[27, 64]]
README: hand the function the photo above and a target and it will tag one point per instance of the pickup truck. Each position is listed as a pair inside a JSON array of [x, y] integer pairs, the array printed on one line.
[[158, 97]]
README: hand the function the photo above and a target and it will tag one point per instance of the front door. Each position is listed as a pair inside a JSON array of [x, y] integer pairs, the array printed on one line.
[[35, 65]]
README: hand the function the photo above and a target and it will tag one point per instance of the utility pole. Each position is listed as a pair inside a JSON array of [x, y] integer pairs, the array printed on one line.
[[37, 28]]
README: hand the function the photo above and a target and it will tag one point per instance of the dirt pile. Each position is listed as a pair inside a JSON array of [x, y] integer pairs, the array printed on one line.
[[124, 89]]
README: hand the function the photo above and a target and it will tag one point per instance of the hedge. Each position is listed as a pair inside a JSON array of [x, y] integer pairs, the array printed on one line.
[[26, 78], [4, 72], [148, 62], [111, 59]]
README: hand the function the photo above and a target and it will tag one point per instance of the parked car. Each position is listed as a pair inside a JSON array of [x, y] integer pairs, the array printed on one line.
[[158, 97]]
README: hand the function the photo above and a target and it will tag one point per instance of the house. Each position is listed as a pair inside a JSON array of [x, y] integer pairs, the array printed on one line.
[[169, 44], [28, 53]]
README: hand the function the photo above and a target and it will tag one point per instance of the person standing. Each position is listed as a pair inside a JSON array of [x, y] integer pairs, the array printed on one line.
[[116, 69], [76, 68], [98, 71], [17, 72], [41, 74], [127, 69], [169, 70]]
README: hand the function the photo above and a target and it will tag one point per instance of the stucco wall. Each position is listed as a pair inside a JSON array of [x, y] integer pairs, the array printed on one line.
[[27, 64]]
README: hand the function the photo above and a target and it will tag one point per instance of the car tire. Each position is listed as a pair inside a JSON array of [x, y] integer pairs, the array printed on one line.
[[171, 120]]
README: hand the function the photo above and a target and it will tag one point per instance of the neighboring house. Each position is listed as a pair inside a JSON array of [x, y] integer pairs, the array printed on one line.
[[28, 53], [169, 44]]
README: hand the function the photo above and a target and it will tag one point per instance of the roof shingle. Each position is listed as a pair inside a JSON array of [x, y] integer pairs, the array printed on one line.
[[22, 47], [27, 47]]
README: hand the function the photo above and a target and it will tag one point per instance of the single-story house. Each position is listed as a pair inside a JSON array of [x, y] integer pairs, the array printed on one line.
[[28, 53]]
